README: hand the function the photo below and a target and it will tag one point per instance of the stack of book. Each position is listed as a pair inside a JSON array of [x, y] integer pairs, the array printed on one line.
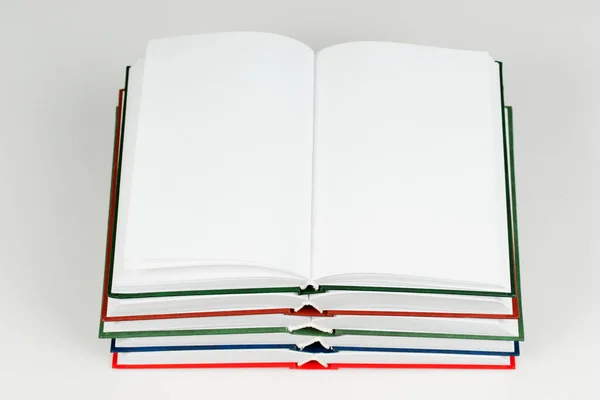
[[272, 206]]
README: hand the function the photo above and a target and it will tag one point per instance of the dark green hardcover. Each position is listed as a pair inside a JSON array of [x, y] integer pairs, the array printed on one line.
[[304, 332], [511, 221]]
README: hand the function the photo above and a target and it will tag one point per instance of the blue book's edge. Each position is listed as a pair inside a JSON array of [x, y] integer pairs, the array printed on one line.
[[309, 349], [115, 349]]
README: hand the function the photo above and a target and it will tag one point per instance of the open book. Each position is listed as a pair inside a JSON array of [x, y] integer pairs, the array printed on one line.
[[249, 161]]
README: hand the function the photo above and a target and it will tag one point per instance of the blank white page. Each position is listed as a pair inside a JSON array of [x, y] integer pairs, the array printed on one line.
[[221, 171], [409, 173]]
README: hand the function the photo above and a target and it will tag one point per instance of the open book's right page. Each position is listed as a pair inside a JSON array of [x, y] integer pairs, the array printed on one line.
[[409, 166]]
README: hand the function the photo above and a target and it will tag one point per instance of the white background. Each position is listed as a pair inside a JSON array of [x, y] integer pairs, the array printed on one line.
[[61, 64]]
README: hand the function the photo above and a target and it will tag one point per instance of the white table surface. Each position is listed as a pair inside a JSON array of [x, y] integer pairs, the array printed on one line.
[[61, 63]]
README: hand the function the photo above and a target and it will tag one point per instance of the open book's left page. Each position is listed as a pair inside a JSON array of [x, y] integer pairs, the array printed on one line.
[[221, 167]]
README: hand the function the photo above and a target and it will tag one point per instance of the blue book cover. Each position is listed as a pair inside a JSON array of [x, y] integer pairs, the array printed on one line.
[[312, 348]]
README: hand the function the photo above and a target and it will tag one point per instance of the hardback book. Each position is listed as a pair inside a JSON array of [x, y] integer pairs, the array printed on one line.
[[317, 344], [284, 358], [365, 177]]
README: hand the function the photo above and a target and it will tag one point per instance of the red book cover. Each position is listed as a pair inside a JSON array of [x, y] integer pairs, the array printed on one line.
[[309, 365]]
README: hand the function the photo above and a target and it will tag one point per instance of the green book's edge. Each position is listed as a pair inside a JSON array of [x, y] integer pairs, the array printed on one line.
[[301, 332], [508, 186], [323, 288], [515, 224]]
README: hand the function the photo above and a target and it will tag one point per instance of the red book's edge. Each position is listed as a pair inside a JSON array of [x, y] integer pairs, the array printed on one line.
[[111, 208], [305, 313], [311, 365], [116, 365], [512, 365], [514, 315], [328, 313]]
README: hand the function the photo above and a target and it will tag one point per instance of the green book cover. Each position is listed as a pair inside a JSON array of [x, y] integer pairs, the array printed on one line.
[[305, 331]]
